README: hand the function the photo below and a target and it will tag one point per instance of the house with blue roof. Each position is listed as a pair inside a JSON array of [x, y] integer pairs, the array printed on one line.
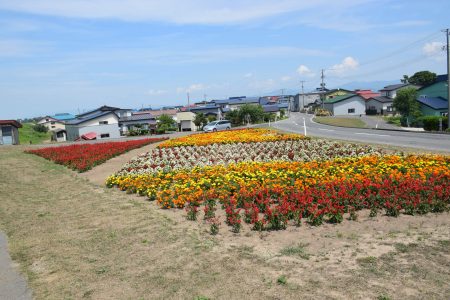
[[433, 98]]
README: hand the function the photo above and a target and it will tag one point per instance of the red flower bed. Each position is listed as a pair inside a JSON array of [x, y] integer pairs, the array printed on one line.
[[83, 157]]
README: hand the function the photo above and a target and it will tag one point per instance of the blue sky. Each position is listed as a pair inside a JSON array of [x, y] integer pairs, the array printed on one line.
[[69, 56]]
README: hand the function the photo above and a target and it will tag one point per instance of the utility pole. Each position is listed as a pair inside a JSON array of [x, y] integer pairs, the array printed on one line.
[[303, 95], [189, 102], [447, 33], [322, 88]]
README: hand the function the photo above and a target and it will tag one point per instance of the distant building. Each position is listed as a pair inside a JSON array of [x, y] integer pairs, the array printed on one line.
[[137, 121], [312, 99], [349, 104], [9, 132], [367, 94]]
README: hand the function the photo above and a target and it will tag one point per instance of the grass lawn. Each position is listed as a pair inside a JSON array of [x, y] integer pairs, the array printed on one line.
[[73, 239], [341, 121], [27, 134]]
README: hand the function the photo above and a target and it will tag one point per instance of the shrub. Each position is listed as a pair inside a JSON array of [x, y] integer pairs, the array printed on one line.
[[40, 128], [431, 123], [320, 112]]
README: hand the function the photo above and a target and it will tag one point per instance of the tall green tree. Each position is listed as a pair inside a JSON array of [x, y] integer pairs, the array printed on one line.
[[166, 122], [406, 104], [422, 78], [255, 113], [234, 117], [200, 120]]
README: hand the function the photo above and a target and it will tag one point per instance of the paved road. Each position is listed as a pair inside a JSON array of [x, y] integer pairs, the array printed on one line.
[[12, 284], [427, 141]]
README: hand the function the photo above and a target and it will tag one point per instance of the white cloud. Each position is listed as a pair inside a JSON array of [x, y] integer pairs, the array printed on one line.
[[348, 64], [434, 50], [154, 92], [305, 71], [286, 78]]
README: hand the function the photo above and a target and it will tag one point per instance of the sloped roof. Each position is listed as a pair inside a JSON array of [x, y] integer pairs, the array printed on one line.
[[341, 98], [367, 94], [103, 108], [270, 108], [157, 113], [93, 115], [63, 117], [434, 102], [394, 87], [138, 117], [382, 99], [11, 122]]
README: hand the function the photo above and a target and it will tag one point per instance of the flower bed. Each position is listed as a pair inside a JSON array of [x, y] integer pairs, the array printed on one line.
[[188, 157], [82, 157], [231, 136], [272, 194]]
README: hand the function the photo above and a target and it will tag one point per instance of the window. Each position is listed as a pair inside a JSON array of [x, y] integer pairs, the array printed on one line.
[[53, 126], [53, 123], [351, 110], [104, 135], [103, 122], [444, 114], [389, 108], [60, 134]]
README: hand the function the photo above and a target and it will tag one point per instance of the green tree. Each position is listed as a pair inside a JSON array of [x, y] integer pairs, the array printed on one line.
[[406, 104], [40, 128], [200, 120], [211, 118], [255, 113], [422, 78], [234, 117], [165, 122]]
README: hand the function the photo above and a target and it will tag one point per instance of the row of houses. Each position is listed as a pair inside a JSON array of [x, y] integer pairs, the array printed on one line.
[[432, 99], [112, 122]]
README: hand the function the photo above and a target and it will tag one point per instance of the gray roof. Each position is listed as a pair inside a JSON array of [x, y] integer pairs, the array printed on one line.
[[271, 108], [394, 87], [91, 116], [382, 99], [434, 102], [139, 117]]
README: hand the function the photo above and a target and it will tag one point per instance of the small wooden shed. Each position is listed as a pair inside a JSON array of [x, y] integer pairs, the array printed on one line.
[[9, 132]]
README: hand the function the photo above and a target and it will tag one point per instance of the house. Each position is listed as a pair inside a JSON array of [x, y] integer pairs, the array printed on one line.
[[390, 91], [56, 122], [349, 104], [433, 98], [186, 121], [367, 94], [210, 109], [314, 98], [380, 105], [52, 123], [275, 108], [134, 121], [433, 106], [102, 123], [159, 112], [9, 132]]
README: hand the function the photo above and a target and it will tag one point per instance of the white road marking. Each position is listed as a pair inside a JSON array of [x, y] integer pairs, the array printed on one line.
[[325, 129], [363, 133]]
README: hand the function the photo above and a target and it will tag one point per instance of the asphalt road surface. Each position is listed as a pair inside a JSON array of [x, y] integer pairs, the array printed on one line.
[[427, 141]]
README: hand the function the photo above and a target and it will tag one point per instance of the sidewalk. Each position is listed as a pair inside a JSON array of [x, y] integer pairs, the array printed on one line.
[[12, 283]]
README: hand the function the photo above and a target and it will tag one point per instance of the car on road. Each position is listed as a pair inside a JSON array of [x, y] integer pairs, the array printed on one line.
[[217, 125]]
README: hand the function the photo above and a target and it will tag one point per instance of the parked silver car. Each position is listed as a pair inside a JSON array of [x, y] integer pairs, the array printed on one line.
[[217, 125]]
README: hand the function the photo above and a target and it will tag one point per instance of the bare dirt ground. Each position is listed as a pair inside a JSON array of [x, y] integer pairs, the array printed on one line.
[[75, 239]]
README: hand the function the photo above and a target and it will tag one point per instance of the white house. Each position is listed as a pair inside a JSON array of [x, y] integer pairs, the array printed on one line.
[[350, 104], [52, 123], [390, 91], [101, 123], [382, 105], [186, 121]]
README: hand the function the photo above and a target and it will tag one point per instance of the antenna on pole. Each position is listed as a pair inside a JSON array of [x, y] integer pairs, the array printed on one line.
[[189, 102], [322, 88]]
